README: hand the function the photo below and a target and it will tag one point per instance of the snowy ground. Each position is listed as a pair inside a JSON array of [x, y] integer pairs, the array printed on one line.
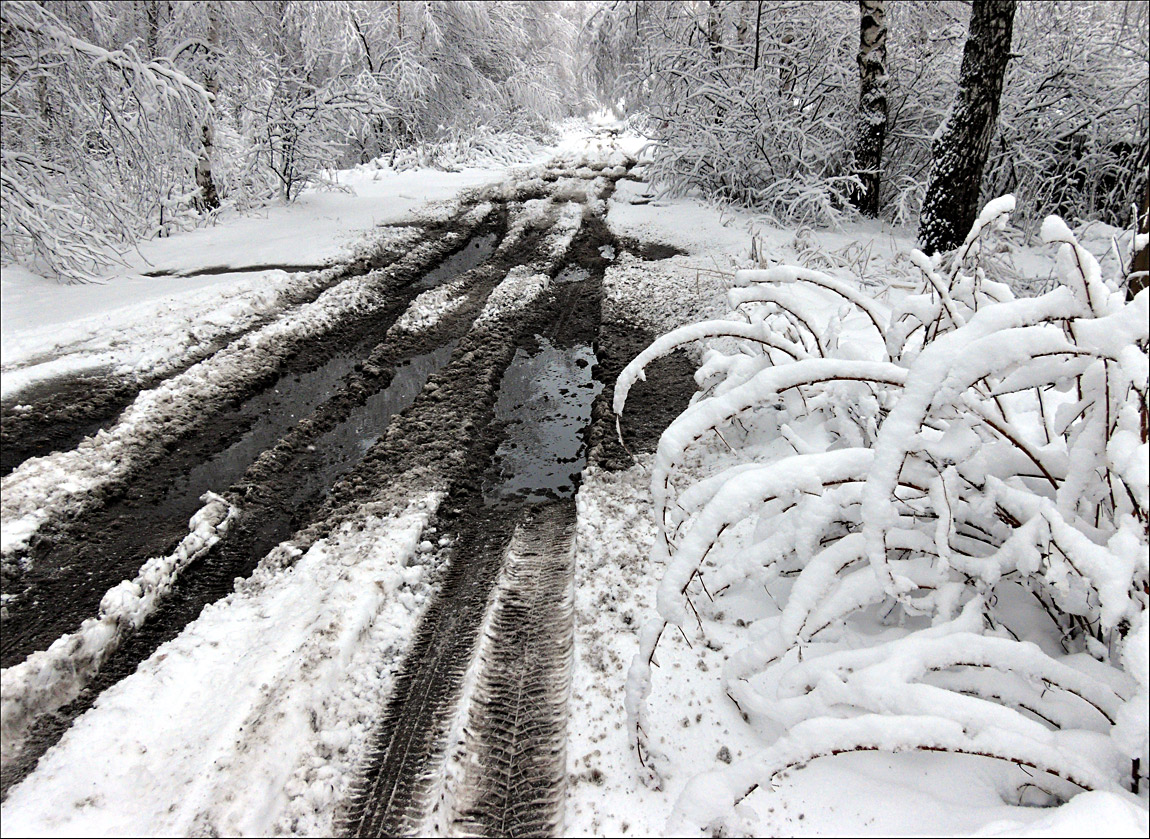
[[133, 322], [286, 641]]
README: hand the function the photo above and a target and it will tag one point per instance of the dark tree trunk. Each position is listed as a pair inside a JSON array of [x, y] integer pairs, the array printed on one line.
[[152, 14], [714, 24], [960, 148], [872, 104], [1139, 276], [758, 28]]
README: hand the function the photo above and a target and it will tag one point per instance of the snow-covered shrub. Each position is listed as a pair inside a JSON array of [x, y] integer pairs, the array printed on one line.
[[98, 145], [969, 468], [482, 147], [767, 126]]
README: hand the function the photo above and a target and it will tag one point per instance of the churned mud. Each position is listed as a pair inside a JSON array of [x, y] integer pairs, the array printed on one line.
[[501, 407]]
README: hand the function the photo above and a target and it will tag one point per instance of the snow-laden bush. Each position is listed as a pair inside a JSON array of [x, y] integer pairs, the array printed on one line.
[[98, 145], [968, 468], [479, 148], [767, 125]]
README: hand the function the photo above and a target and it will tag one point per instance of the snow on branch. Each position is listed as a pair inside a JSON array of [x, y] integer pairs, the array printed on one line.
[[988, 449]]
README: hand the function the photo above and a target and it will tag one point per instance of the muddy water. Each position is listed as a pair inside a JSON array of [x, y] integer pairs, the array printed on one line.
[[338, 450], [69, 575], [272, 412], [473, 254], [544, 401]]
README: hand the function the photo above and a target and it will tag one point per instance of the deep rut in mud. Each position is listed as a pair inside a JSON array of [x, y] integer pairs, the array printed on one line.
[[519, 498], [276, 455], [502, 412], [58, 413]]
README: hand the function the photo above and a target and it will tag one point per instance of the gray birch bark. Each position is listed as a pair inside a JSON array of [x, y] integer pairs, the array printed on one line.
[[209, 198], [961, 145], [872, 117]]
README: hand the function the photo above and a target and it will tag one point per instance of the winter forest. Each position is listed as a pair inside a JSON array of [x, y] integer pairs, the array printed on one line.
[[678, 417]]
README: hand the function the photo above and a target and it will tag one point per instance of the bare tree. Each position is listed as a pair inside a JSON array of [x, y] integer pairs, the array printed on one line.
[[872, 117], [961, 144]]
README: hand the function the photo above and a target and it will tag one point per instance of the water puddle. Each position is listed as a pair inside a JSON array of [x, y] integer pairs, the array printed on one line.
[[216, 270], [274, 411], [279, 408], [655, 251], [340, 449], [473, 254], [545, 402]]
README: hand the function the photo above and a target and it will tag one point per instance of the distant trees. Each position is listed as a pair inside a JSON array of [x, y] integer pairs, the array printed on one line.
[[123, 120], [750, 104], [1072, 130], [779, 104], [961, 145]]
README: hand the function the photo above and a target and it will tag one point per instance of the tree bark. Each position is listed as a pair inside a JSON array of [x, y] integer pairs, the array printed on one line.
[[1139, 276], [872, 117], [209, 198], [714, 30], [961, 145], [152, 13], [758, 32]]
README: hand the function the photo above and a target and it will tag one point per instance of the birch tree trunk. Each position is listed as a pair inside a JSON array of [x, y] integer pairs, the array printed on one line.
[[209, 198], [960, 147], [872, 104]]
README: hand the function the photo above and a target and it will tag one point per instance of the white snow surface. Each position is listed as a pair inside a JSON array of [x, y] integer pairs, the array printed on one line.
[[251, 721]]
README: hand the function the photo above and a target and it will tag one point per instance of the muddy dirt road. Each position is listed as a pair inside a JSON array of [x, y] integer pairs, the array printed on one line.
[[476, 361]]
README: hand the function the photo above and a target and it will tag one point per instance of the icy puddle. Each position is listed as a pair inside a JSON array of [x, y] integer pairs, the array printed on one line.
[[472, 255], [544, 402]]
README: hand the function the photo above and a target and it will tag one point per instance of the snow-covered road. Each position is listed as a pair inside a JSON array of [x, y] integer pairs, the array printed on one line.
[[372, 452], [409, 602]]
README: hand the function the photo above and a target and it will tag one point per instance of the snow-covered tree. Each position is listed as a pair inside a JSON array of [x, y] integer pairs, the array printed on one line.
[[1074, 131], [97, 143], [122, 120], [962, 143], [765, 124]]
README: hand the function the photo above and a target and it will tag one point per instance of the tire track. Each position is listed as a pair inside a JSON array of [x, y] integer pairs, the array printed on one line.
[[278, 493], [407, 785], [66, 410], [73, 562], [513, 781], [281, 491], [447, 437]]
